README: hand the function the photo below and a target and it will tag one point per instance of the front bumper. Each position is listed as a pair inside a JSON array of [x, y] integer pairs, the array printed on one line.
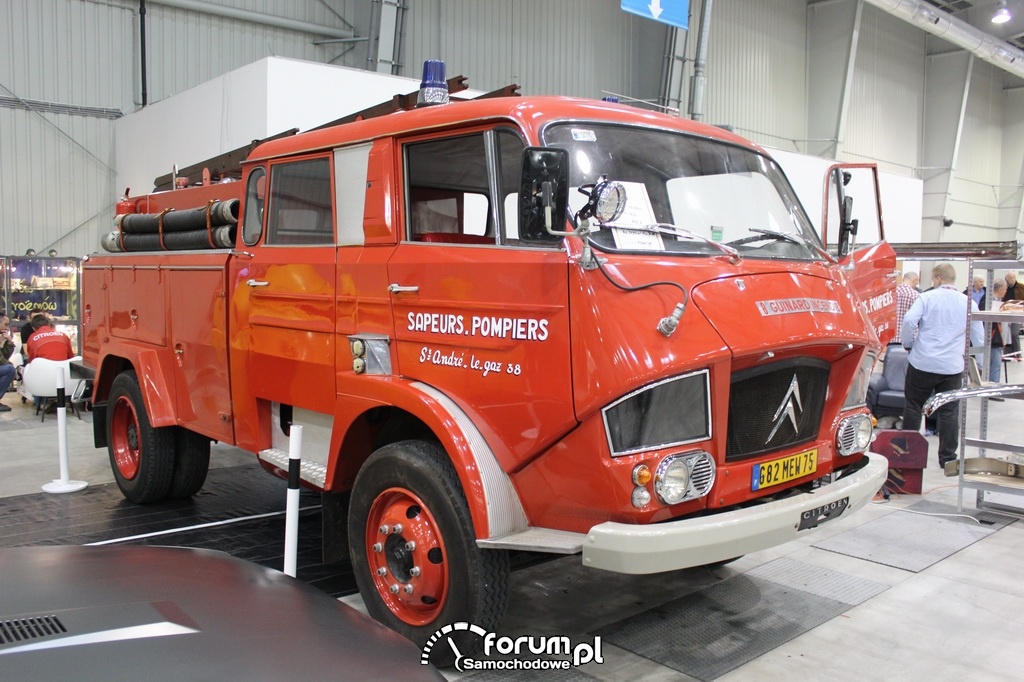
[[656, 548]]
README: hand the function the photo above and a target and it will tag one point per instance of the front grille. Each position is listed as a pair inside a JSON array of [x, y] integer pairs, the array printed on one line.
[[765, 402], [24, 629]]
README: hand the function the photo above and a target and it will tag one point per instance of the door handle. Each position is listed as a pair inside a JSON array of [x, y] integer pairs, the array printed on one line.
[[398, 289], [257, 283]]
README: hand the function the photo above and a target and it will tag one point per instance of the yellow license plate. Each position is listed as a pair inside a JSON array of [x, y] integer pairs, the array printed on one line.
[[767, 474]]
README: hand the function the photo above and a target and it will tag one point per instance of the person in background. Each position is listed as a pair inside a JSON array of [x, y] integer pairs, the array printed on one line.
[[933, 331], [977, 292], [7, 349], [26, 330], [995, 359], [1014, 289], [906, 294], [913, 280], [47, 342], [1014, 292]]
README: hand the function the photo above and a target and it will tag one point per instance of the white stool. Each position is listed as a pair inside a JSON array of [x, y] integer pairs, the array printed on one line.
[[39, 380]]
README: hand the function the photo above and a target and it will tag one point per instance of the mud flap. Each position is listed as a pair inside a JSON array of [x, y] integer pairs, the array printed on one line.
[[99, 424], [335, 526]]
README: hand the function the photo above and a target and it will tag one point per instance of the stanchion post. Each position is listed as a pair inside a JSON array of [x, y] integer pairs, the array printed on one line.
[[291, 518], [62, 485]]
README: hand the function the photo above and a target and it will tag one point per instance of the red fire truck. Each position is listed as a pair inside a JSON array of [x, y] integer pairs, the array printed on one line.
[[543, 324]]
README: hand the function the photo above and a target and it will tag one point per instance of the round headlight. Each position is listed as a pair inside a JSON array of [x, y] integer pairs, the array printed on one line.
[[611, 201], [864, 432], [672, 480]]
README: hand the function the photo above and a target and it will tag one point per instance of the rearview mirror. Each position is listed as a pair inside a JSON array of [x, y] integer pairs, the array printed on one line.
[[543, 193], [847, 226]]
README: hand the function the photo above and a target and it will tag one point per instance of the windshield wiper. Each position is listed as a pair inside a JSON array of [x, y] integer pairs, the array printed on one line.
[[763, 234]]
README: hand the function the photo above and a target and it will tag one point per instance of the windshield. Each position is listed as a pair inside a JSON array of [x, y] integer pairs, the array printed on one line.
[[684, 192]]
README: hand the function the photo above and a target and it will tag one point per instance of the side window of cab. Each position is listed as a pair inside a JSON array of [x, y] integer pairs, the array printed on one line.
[[300, 210], [463, 189], [255, 199]]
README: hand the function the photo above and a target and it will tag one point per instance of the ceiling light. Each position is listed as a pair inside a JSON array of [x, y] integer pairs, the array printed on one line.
[[1002, 15]]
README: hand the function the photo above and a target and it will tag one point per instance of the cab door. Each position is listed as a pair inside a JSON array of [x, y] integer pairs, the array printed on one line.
[[480, 314], [855, 233], [285, 285]]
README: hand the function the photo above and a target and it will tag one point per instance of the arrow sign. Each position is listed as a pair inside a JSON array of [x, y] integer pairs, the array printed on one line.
[[671, 12]]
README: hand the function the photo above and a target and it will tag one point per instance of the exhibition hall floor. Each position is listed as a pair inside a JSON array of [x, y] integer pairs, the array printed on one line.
[[905, 589]]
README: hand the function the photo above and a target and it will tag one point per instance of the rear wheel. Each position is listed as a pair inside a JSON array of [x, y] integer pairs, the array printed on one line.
[[191, 463], [141, 456], [413, 549]]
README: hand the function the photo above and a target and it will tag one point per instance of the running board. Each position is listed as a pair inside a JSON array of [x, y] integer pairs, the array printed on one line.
[[538, 540], [313, 473]]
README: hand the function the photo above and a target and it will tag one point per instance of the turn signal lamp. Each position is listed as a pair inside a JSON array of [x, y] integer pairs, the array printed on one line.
[[641, 496], [433, 86]]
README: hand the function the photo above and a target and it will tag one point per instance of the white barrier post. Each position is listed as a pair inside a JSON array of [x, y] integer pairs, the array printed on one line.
[[291, 517], [62, 485]]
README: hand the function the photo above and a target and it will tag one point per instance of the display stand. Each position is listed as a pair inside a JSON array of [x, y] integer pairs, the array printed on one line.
[[992, 476], [64, 484]]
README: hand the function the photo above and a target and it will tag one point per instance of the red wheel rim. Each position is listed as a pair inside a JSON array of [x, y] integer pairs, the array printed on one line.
[[124, 437], [407, 557]]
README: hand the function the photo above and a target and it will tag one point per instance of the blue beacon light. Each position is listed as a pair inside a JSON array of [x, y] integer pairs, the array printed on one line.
[[434, 86]]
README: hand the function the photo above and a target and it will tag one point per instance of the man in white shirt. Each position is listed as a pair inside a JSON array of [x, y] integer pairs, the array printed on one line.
[[933, 331]]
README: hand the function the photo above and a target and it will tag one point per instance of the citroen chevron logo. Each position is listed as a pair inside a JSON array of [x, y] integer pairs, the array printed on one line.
[[787, 409]]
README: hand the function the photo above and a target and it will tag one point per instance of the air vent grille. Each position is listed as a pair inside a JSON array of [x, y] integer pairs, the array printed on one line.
[[26, 629], [702, 475]]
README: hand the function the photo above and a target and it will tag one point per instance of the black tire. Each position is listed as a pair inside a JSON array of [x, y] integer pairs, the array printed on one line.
[[141, 456], [191, 463], [415, 480]]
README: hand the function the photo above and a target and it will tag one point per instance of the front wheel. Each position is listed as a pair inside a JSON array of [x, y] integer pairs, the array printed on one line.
[[413, 549], [141, 456]]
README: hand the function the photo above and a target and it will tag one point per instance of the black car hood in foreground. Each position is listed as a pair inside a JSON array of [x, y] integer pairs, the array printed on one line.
[[168, 613]]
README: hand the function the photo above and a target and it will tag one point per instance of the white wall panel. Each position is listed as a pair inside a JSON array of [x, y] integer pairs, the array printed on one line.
[[564, 47], [756, 69], [976, 193], [56, 169], [1012, 171], [187, 48], [64, 51], [887, 99], [53, 192]]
